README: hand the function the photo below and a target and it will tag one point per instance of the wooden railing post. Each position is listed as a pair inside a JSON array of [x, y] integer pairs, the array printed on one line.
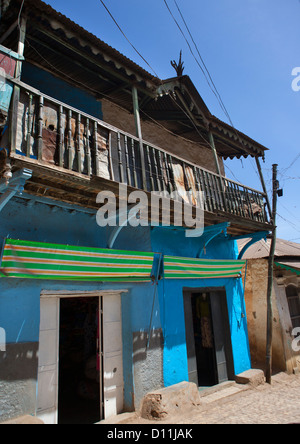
[[40, 128], [17, 92], [139, 134]]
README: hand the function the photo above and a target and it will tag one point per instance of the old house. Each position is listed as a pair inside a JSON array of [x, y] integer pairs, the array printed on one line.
[[95, 316], [285, 301]]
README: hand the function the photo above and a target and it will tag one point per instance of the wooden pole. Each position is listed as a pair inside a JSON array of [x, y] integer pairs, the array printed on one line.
[[17, 91], [222, 185], [264, 186], [213, 147], [139, 134], [270, 282]]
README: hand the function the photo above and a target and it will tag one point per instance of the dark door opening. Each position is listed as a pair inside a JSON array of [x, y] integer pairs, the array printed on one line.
[[210, 360], [79, 400]]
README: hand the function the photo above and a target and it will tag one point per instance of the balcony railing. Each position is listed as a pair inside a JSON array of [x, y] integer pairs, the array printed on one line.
[[47, 130]]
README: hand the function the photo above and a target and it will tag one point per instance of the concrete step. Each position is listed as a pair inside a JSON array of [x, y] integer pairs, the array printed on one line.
[[207, 391]]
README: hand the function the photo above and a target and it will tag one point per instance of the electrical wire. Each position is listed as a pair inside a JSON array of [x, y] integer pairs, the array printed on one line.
[[123, 33], [207, 144], [284, 170], [213, 88], [207, 76]]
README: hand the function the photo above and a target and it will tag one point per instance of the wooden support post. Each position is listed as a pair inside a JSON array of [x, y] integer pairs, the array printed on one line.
[[61, 137], [263, 186], [17, 92], [270, 282], [139, 134], [213, 147], [40, 128], [222, 185]]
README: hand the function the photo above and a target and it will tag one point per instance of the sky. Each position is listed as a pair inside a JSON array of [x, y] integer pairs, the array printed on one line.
[[251, 49]]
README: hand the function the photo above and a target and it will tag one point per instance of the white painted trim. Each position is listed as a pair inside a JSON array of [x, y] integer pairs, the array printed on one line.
[[113, 405], [80, 294]]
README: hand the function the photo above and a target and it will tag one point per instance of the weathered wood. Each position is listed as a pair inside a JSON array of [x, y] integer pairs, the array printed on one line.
[[17, 89], [96, 153], [127, 162], [222, 195], [88, 147], [110, 159], [61, 137], [135, 179], [70, 153], [29, 126], [40, 128], [136, 111], [154, 152], [78, 140]]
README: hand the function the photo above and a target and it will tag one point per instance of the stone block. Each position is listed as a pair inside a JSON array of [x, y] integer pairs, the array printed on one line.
[[170, 401], [253, 377]]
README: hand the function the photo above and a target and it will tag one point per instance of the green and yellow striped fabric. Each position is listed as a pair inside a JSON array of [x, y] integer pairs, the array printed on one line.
[[33, 260], [184, 268]]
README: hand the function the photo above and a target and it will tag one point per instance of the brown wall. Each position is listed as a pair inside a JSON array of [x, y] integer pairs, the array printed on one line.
[[256, 305], [155, 134]]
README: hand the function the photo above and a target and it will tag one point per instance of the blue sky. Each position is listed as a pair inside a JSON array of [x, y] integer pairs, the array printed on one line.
[[250, 48]]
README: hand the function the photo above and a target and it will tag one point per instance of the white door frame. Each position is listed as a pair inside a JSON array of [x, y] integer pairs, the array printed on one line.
[[113, 382]]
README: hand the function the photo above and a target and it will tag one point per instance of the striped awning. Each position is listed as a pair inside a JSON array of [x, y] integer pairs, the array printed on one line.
[[184, 268], [33, 260]]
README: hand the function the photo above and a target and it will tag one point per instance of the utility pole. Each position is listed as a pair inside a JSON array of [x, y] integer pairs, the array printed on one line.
[[270, 280]]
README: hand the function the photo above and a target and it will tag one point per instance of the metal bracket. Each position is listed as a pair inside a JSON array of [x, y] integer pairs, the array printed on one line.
[[16, 186], [117, 230], [210, 233]]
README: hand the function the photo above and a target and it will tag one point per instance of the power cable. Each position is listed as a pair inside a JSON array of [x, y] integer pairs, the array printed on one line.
[[123, 33], [209, 78], [205, 67], [191, 50], [104, 95]]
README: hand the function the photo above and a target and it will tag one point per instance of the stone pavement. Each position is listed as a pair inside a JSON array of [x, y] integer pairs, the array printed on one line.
[[278, 403]]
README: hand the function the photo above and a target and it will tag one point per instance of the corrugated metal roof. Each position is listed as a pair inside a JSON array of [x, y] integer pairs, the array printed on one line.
[[261, 249], [290, 264], [65, 48], [51, 13]]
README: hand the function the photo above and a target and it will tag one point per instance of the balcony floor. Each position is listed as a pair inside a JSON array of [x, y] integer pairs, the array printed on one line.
[[77, 189]]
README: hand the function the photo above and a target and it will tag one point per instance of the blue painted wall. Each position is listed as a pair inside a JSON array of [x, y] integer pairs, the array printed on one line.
[[60, 90], [174, 242], [20, 299]]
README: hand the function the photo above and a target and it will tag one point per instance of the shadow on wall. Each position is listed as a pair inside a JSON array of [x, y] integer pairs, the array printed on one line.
[[19, 361], [18, 380]]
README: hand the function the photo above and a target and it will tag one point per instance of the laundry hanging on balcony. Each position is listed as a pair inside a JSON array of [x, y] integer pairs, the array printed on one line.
[[185, 268], [34, 260]]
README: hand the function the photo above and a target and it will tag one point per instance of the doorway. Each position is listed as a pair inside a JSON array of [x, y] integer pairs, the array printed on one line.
[[208, 338], [69, 388], [79, 398]]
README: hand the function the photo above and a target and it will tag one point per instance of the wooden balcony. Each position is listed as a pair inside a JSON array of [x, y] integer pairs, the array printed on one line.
[[73, 156]]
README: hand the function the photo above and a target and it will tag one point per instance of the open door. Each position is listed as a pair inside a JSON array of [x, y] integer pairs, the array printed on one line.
[[222, 336], [80, 372], [208, 341]]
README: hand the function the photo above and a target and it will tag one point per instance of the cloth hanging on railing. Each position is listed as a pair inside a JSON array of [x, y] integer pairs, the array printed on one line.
[[34, 260], [185, 268]]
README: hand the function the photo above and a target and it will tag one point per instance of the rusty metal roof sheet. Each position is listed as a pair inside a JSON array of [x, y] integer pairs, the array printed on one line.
[[261, 249], [63, 47]]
